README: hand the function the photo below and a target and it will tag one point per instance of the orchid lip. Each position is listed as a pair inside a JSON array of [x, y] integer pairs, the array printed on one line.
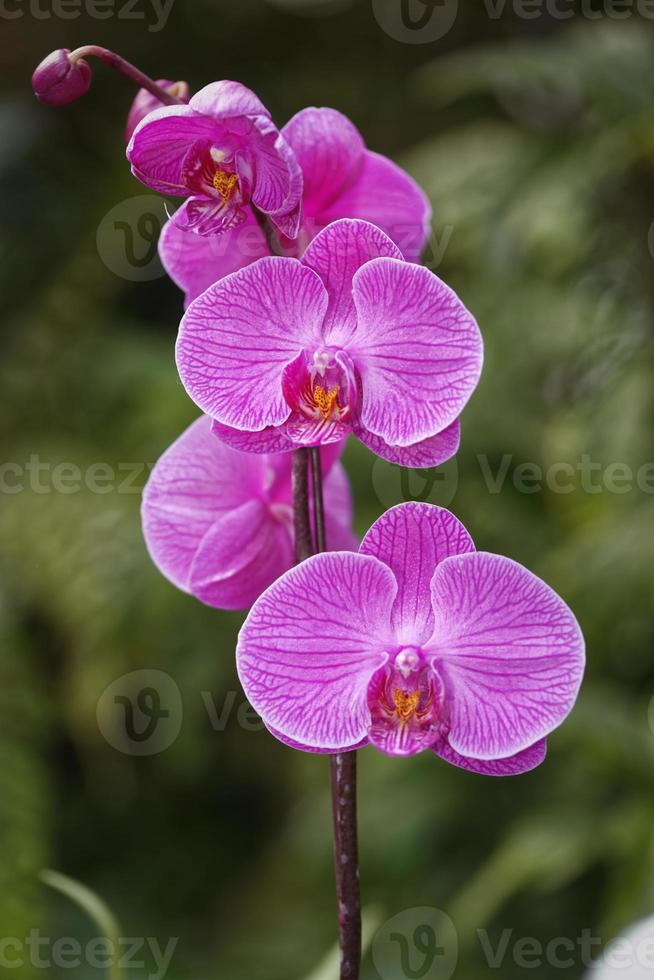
[[405, 698], [321, 391]]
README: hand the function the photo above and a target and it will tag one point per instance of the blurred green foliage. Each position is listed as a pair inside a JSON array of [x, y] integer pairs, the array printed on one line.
[[536, 147]]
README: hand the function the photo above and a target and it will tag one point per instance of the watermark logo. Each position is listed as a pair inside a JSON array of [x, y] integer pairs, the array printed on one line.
[[141, 712], [416, 21], [143, 954], [394, 484], [127, 238], [417, 944], [153, 13], [426, 21]]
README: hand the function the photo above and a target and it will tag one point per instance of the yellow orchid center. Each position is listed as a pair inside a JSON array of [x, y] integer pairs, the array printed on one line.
[[225, 184], [325, 400], [405, 704]]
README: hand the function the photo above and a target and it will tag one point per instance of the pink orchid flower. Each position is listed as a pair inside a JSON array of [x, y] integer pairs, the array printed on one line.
[[342, 179], [221, 151], [416, 642], [351, 338], [219, 523]]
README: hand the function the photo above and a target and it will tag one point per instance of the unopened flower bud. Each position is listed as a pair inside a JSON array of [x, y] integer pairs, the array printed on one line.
[[58, 80]]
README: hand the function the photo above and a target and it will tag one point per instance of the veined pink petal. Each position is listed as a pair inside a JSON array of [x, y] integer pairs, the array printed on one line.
[[315, 751], [161, 142], [196, 480], [236, 338], [311, 644], [219, 523], [412, 539], [243, 552], [336, 254], [278, 189], [513, 765], [225, 99], [338, 510], [421, 455], [329, 149], [387, 196], [510, 650], [195, 263], [418, 349], [207, 216], [272, 439], [144, 103]]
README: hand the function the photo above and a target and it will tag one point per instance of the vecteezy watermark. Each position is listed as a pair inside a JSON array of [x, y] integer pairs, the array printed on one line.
[[153, 13], [417, 944], [565, 952], [422, 944], [40, 476], [141, 713], [416, 21], [66, 953], [127, 238], [426, 21], [394, 484]]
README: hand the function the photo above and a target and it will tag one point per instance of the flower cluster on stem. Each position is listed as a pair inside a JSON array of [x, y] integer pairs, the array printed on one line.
[[308, 318]]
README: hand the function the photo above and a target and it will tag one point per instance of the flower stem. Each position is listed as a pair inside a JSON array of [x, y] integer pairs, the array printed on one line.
[[344, 800], [318, 504], [301, 513], [125, 68], [344, 795]]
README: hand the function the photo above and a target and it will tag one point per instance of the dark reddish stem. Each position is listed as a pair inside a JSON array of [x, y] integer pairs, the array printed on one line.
[[301, 513], [344, 794], [346, 851], [125, 68], [318, 504]]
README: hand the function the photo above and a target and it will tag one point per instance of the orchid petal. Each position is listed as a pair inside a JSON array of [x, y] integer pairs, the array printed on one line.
[[196, 480], [195, 262], [207, 216], [329, 149], [418, 349], [272, 439], [145, 102], [161, 141], [311, 644], [278, 189], [336, 254], [421, 455], [225, 100], [337, 495], [387, 196], [236, 338], [411, 539], [510, 650], [244, 551], [513, 765], [292, 744]]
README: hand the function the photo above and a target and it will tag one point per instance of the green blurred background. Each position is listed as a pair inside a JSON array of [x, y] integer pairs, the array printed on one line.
[[534, 138]]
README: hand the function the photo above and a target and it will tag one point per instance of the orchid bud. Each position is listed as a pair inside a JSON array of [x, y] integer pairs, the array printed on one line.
[[58, 80], [145, 102]]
